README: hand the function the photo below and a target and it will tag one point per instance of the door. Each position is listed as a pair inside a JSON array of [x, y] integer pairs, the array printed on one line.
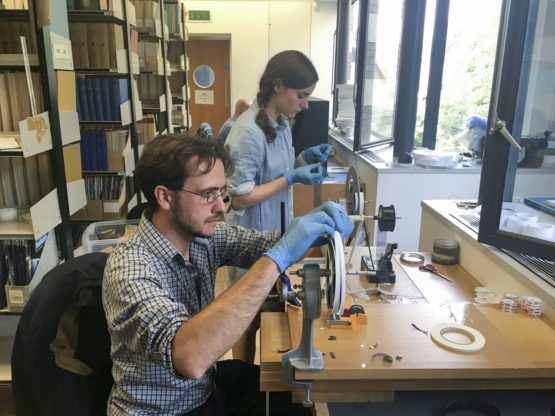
[[209, 80]]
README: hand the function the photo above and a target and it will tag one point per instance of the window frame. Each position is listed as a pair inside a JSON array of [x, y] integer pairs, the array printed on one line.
[[499, 164]]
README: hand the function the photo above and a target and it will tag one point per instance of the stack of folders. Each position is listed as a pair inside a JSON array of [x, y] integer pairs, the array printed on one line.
[[87, 4], [15, 104], [24, 181], [16, 4], [96, 146], [151, 87], [173, 17], [103, 187], [99, 99], [19, 260]]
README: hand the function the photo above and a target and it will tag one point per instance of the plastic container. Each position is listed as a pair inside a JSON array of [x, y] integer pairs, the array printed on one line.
[[104, 234]]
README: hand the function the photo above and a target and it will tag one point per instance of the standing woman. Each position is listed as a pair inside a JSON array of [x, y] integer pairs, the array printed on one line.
[[260, 144]]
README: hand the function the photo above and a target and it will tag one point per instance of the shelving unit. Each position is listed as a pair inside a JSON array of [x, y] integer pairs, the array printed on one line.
[[44, 137], [51, 53], [157, 71], [112, 55], [178, 72]]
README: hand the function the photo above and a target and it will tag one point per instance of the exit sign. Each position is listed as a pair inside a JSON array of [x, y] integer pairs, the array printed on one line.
[[199, 15]]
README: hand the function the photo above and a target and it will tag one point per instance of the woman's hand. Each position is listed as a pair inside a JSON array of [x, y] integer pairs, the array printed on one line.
[[305, 174], [317, 154]]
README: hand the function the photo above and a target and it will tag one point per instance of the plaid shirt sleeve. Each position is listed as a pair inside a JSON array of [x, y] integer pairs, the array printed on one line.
[[242, 247]]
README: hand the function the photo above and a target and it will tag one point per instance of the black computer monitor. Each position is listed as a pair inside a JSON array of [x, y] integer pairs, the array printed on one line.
[[311, 125]]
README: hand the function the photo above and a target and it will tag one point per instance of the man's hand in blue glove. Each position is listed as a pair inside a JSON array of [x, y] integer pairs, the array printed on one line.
[[305, 174], [317, 154], [304, 231], [343, 223]]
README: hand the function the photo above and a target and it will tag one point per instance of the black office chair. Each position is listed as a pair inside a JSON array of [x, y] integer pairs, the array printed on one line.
[[136, 212], [61, 355]]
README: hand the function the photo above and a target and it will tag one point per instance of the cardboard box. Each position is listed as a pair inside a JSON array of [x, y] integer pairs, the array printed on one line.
[[115, 162], [308, 197], [95, 209]]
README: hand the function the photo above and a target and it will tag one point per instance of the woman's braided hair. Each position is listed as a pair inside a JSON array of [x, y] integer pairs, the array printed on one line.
[[294, 70]]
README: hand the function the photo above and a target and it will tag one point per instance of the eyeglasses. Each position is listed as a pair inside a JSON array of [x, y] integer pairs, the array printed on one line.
[[211, 196]]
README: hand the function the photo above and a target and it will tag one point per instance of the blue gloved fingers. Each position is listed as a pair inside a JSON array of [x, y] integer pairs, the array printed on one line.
[[299, 237], [320, 241], [326, 150], [317, 154], [343, 223], [316, 173], [305, 174]]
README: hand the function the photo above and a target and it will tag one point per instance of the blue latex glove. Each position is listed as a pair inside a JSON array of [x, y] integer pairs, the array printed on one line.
[[285, 279], [317, 154], [343, 223], [305, 230], [305, 174]]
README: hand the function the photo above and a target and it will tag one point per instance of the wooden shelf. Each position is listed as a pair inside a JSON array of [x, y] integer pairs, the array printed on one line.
[[92, 16], [15, 60], [16, 230]]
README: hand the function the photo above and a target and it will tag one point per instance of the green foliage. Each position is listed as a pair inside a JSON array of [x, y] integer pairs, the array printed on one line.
[[466, 87]]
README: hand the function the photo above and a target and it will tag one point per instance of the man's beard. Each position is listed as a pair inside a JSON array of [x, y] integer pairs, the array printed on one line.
[[184, 227]]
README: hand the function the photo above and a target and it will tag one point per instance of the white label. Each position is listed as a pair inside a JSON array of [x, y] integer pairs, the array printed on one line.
[[61, 51], [204, 97], [15, 295], [111, 206]]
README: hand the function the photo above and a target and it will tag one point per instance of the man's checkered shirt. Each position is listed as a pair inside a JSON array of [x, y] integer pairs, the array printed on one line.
[[149, 290]]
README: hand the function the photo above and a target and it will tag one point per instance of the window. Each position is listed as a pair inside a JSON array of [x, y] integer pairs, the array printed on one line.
[[422, 67], [378, 72], [516, 217]]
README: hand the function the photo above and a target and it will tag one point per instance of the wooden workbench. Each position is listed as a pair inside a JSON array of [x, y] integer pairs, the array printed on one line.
[[519, 351]]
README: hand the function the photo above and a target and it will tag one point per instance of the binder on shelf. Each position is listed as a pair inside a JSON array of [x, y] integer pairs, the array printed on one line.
[[84, 156], [82, 97], [17, 295], [33, 181], [119, 94], [97, 96], [102, 151], [91, 149], [8, 186], [89, 87], [105, 92], [93, 45]]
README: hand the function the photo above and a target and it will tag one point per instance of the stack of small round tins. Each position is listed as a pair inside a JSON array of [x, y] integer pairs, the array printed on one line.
[[445, 251]]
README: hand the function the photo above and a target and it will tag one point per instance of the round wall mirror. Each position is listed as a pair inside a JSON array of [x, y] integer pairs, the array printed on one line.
[[204, 76]]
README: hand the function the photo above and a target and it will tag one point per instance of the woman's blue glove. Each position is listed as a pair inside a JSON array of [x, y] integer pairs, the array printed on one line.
[[305, 174], [317, 154], [304, 231]]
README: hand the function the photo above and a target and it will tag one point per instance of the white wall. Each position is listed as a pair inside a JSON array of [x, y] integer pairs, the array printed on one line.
[[259, 29]]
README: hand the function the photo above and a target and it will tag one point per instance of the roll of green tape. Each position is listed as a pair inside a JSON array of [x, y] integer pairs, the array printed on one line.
[[445, 251]]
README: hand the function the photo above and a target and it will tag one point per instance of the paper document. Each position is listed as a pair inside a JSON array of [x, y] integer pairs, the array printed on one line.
[[7, 143]]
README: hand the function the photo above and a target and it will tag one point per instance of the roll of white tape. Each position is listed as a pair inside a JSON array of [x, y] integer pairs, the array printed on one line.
[[8, 214], [477, 343]]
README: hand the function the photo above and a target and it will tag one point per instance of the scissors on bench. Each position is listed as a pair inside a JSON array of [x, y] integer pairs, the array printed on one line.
[[431, 268]]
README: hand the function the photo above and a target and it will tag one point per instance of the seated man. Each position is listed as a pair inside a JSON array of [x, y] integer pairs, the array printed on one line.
[[167, 330], [241, 105]]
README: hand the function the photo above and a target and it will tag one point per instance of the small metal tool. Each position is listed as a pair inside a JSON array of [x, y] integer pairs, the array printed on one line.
[[431, 268]]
